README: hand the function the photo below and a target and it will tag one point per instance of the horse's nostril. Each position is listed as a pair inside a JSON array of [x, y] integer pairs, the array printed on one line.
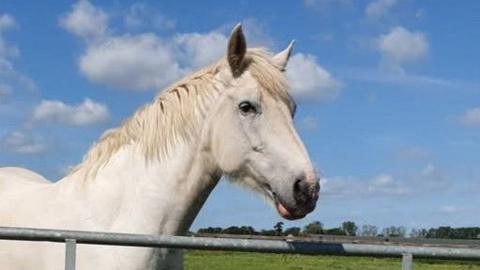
[[306, 191], [301, 191], [297, 185]]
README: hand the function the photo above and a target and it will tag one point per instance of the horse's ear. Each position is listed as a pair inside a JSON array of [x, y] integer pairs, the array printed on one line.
[[237, 47], [281, 58]]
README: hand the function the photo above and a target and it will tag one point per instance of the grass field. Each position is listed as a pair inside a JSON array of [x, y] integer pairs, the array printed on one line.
[[220, 260]]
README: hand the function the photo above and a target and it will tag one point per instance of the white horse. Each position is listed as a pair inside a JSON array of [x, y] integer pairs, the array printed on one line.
[[152, 174]]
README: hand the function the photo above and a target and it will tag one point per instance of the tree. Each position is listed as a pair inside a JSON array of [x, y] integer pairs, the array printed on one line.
[[441, 232], [315, 227], [350, 228], [394, 231], [278, 228], [295, 231], [369, 230], [418, 233], [334, 231], [454, 233], [248, 230], [210, 230], [268, 232]]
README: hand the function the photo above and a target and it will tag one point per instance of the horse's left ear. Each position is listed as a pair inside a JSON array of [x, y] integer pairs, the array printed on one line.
[[237, 47], [281, 58]]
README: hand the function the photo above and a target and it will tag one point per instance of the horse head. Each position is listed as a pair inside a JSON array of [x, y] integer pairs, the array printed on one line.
[[253, 138]]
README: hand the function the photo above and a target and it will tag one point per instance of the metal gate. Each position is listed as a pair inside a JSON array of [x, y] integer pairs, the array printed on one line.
[[72, 238]]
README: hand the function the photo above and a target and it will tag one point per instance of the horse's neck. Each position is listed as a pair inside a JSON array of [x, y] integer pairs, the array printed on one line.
[[135, 192], [131, 194]]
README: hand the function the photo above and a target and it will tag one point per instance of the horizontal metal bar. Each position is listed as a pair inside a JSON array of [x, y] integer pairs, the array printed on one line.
[[273, 246], [461, 243]]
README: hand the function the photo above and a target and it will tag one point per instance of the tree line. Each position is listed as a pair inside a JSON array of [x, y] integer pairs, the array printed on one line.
[[349, 228]]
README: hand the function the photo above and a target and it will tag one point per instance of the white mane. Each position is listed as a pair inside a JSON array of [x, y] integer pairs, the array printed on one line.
[[181, 107]]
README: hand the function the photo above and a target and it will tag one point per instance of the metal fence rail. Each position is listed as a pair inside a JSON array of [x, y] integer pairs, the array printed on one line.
[[326, 238], [71, 238]]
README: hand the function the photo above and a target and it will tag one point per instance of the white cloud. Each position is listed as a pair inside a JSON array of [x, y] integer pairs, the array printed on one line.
[[257, 34], [86, 113], [339, 186], [309, 81], [7, 22], [134, 62], [140, 15], [141, 62], [379, 8], [327, 5], [12, 77], [379, 185], [386, 184], [426, 180], [432, 178], [401, 46], [146, 61], [20, 143], [85, 21], [385, 76], [197, 50], [9, 77], [471, 117]]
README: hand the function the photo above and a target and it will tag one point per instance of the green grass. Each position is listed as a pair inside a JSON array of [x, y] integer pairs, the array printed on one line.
[[220, 260]]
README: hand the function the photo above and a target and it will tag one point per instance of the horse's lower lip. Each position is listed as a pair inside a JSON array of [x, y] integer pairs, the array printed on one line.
[[282, 210], [285, 213]]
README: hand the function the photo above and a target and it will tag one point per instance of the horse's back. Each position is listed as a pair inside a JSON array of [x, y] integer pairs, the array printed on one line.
[[16, 175], [22, 195], [20, 207]]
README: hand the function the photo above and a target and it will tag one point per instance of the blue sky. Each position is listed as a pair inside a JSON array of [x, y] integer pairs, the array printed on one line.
[[388, 94]]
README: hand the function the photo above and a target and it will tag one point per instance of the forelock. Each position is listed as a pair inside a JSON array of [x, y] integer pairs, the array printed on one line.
[[269, 76]]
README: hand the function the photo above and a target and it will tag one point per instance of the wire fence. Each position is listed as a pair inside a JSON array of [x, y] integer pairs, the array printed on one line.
[[72, 238]]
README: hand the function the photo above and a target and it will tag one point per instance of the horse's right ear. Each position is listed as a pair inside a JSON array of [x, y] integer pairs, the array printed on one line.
[[237, 47]]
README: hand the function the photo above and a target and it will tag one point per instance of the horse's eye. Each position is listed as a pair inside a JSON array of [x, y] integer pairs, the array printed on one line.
[[247, 107]]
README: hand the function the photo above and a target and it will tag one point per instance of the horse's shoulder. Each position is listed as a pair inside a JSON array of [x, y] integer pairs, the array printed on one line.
[[8, 174]]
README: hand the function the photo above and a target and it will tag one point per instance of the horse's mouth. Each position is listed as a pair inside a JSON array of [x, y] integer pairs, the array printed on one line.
[[286, 212], [282, 210]]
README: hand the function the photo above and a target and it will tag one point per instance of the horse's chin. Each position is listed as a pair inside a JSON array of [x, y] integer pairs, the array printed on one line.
[[282, 210], [287, 214]]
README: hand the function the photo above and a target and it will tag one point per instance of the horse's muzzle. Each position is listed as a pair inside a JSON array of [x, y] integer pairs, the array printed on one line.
[[305, 195]]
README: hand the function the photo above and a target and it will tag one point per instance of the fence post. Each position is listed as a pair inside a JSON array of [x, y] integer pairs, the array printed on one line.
[[70, 253], [407, 259]]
